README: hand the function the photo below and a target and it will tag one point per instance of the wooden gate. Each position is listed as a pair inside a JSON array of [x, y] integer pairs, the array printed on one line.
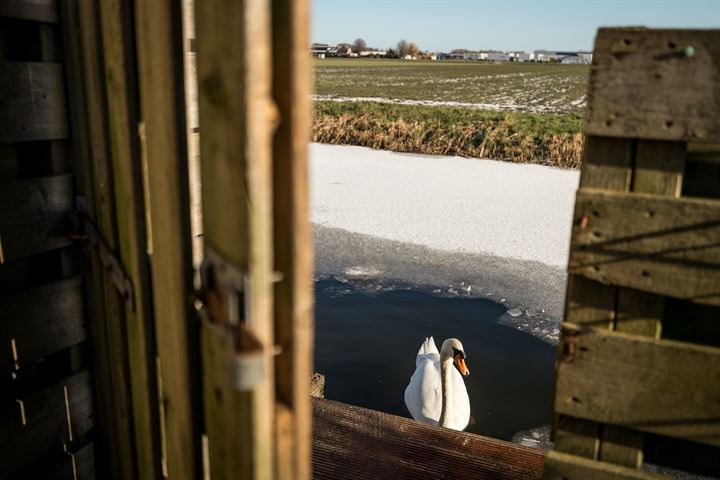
[[638, 367]]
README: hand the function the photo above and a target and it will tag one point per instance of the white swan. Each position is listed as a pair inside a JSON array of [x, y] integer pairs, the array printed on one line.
[[436, 393]]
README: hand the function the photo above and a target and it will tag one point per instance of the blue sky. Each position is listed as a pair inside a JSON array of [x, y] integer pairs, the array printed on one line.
[[441, 25]]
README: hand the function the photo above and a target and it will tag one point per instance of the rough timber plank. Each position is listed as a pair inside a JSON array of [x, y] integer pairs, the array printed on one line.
[[236, 120], [607, 164], [562, 466], [41, 321], [292, 236], [46, 422], [655, 84], [639, 382], [32, 102], [90, 137], [158, 28], [34, 215], [35, 10], [662, 245], [122, 103], [353, 442]]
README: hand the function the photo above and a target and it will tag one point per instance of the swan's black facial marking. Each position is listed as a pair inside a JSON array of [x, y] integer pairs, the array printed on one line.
[[457, 352]]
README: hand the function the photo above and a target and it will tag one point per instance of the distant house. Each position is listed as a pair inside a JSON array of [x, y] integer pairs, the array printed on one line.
[[341, 50], [319, 50]]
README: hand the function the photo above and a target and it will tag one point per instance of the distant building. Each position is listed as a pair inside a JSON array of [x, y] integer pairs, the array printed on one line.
[[519, 56], [319, 50], [373, 53], [557, 56]]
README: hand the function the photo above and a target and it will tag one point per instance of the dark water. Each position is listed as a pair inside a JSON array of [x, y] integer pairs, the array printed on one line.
[[366, 345]]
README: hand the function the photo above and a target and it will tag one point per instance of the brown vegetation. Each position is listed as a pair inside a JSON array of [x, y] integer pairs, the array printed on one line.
[[482, 136]]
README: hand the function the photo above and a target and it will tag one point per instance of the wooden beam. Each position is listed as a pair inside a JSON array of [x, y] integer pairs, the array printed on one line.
[[33, 99], [562, 466], [35, 216], [40, 423], [354, 442], [36, 10], [90, 140], [158, 29], [292, 246], [638, 382], [658, 244], [236, 121], [655, 84], [118, 44], [41, 321]]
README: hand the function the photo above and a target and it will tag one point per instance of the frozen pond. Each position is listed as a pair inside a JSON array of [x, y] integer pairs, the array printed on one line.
[[409, 246]]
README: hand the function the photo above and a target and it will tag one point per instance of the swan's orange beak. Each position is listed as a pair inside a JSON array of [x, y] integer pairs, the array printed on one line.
[[460, 364]]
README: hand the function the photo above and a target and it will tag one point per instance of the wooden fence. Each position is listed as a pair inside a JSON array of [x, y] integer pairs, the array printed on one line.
[[638, 367]]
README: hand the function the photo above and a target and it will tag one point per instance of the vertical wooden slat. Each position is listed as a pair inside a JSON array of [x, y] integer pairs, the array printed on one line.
[[87, 100], [607, 164], [158, 29], [118, 47], [292, 237], [236, 119]]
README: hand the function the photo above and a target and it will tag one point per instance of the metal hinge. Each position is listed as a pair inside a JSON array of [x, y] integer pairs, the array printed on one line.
[[84, 228], [223, 302]]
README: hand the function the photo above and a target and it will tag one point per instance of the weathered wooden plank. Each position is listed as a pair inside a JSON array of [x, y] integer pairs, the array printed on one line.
[[236, 120], [655, 84], [82, 47], [577, 436], [353, 442], [41, 321], [159, 38], [39, 424], [76, 465], [660, 245], [292, 246], [562, 466], [123, 104], [35, 10], [607, 163], [639, 383], [32, 102], [590, 303], [34, 216]]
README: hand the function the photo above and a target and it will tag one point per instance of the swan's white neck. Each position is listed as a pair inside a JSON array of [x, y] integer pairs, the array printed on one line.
[[446, 412]]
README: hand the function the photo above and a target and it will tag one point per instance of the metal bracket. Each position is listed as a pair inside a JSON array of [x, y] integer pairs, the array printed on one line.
[[85, 229], [223, 302]]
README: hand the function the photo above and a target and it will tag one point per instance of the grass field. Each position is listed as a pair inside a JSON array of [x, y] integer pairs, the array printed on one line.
[[521, 87]]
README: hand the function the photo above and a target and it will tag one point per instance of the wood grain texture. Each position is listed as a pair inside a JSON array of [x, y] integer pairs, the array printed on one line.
[[657, 244], [35, 10], [660, 386], [46, 422], [562, 466], [75, 464], [158, 28], [607, 163], [35, 215], [655, 84], [41, 321], [292, 246], [122, 102], [32, 102], [236, 123], [353, 442], [90, 140]]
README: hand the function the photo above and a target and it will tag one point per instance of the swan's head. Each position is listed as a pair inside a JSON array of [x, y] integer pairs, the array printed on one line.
[[453, 348]]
